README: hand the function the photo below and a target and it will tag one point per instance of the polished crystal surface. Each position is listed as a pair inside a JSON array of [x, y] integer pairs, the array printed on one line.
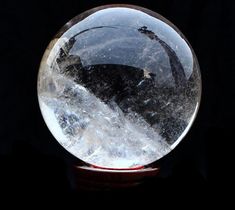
[[119, 86]]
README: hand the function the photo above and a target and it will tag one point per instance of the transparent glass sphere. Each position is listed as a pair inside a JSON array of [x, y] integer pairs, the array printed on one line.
[[119, 86]]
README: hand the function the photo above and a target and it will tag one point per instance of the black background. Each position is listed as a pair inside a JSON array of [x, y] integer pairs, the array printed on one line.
[[32, 160]]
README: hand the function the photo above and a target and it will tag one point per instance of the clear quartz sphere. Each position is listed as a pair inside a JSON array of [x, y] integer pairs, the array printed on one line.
[[119, 86]]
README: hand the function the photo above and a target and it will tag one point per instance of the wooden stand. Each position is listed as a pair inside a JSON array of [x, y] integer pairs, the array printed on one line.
[[92, 178]]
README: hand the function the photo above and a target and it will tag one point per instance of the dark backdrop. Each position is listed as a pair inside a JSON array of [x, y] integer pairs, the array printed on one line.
[[31, 159]]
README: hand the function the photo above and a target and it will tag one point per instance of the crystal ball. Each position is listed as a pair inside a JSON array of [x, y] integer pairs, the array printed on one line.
[[119, 86]]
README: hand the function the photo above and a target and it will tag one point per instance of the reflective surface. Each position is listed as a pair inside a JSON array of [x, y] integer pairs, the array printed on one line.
[[119, 86]]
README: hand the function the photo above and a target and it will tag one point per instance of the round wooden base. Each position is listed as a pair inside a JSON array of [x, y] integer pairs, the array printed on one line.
[[92, 178]]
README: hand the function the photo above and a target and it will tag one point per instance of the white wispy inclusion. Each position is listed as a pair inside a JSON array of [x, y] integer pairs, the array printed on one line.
[[95, 132]]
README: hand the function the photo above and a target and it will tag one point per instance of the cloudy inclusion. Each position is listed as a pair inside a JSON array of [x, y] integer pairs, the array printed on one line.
[[93, 131]]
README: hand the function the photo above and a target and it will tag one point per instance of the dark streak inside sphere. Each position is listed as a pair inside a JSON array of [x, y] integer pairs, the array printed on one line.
[[135, 90]]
